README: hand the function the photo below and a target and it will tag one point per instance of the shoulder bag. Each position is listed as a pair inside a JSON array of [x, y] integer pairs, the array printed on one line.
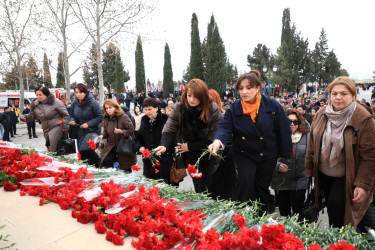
[[66, 145], [178, 170], [310, 211], [125, 147]]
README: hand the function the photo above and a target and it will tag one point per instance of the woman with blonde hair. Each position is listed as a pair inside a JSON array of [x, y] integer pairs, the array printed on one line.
[[341, 154], [116, 125]]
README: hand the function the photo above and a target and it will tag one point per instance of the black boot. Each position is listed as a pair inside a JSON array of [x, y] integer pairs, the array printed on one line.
[[30, 137], [35, 136]]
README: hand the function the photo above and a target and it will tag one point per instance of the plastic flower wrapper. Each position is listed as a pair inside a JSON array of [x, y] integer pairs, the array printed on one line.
[[47, 181], [193, 205], [116, 208], [217, 221]]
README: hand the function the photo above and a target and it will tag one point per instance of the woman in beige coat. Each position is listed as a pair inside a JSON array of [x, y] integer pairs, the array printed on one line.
[[52, 113], [116, 125], [341, 154]]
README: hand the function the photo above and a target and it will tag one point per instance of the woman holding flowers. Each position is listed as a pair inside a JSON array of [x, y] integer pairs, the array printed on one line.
[[341, 154], [149, 137], [86, 113], [193, 123], [116, 125], [261, 133], [52, 113]]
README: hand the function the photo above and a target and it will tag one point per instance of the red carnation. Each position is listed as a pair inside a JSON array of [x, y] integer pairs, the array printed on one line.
[[157, 171], [92, 144], [83, 217], [100, 227], [192, 169], [239, 220], [136, 167], [146, 153]]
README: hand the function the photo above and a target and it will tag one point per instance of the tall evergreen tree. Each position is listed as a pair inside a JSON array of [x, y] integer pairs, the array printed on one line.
[[168, 73], [215, 58], [46, 73], [60, 82], [140, 76], [319, 57], [261, 56], [87, 76], [195, 68], [90, 69], [33, 78]]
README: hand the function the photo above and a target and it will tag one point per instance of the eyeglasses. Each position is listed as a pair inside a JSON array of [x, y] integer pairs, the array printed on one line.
[[295, 122]]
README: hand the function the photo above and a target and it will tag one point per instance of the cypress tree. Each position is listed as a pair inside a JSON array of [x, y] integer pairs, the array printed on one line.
[[140, 76], [196, 63], [60, 83], [46, 73], [168, 73], [215, 59], [109, 62]]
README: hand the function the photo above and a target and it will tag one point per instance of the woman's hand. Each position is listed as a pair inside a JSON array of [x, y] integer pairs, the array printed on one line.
[[73, 123], [117, 131], [85, 125], [359, 195], [283, 168], [182, 147], [214, 147], [23, 117], [159, 150], [141, 149]]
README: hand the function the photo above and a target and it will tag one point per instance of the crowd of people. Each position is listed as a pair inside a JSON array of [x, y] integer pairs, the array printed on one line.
[[257, 142]]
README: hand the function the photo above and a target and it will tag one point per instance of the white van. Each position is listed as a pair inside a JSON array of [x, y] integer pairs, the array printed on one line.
[[8, 97]]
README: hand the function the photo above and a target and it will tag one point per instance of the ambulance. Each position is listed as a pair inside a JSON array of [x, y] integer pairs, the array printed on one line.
[[9, 97]]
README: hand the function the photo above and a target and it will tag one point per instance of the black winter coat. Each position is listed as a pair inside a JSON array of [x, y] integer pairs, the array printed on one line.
[[295, 178], [5, 119], [149, 136]]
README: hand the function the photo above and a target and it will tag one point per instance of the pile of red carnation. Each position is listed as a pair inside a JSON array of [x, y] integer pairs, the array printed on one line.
[[156, 222]]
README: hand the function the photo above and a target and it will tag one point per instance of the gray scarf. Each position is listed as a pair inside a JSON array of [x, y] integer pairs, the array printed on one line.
[[333, 136]]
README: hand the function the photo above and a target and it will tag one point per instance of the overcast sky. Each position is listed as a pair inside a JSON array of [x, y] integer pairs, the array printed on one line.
[[349, 27]]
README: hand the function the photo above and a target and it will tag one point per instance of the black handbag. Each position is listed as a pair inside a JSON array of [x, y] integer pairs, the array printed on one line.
[[66, 145], [310, 211], [125, 147], [73, 131]]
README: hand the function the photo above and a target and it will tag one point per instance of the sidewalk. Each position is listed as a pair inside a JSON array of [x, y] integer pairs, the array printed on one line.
[[46, 227]]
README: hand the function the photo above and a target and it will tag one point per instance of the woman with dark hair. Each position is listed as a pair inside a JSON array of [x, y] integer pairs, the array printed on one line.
[[193, 123], [116, 125], [149, 137], [341, 154], [86, 113], [52, 114], [290, 180], [261, 134]]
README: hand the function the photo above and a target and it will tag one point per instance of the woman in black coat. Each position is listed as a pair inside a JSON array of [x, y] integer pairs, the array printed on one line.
[[149, 136]]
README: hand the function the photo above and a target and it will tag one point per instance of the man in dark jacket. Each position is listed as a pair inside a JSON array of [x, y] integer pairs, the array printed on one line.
[[31, 124], [5, 120]]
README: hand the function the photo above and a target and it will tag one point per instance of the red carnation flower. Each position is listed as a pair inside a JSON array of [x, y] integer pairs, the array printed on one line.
[[92, 144], [192, 169], [146, 153], [157, 171], [239, 220], [136, 168]]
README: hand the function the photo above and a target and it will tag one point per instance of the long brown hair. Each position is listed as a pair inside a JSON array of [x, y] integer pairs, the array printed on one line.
[[200, 91], [216, 98], [112, 103]]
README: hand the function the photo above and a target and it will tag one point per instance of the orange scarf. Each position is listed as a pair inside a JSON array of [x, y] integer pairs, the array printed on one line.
[[251, 108]]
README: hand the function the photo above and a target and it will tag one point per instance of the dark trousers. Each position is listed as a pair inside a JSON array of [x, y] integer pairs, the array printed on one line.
[[289, 200], [14, 128], [334, 192], [31, 128], [253, 180], [7, 130], [91, 156], [110, 158]]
